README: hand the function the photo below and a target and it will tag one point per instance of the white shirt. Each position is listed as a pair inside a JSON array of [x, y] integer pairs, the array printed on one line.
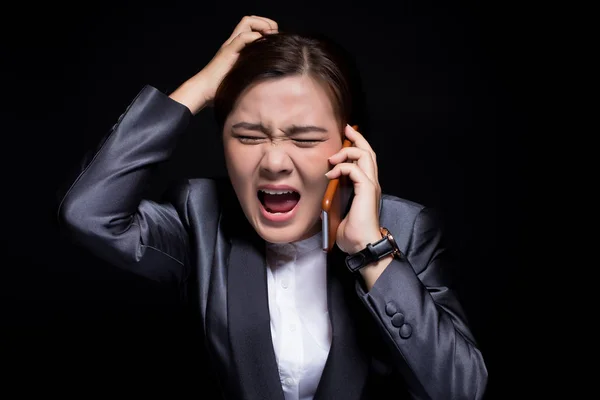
[[300, 326]]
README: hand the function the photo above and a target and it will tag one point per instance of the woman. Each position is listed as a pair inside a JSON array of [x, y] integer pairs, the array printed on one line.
[[282, 318]]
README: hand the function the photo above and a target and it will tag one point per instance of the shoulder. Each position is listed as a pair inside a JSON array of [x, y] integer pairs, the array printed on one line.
[[402, 216], [199, 194], [398, 211], [394, 205], [206, 202], [198, 187]]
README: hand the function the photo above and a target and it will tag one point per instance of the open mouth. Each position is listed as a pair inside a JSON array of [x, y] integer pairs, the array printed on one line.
[[278, 201]]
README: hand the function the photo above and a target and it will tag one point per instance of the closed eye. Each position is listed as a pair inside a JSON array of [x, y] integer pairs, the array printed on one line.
[[308, 142], [250, 139]]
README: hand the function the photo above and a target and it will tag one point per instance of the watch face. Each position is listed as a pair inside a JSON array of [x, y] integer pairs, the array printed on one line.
[[385, 232]]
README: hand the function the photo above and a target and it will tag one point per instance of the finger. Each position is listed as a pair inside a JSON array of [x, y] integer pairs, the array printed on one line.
[[243, 39], [272, 24], [249, 24], [362, 158], [360, 180], [359, 141]]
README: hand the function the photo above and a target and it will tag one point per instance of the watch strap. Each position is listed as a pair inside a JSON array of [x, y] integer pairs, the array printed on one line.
[[370, 254]]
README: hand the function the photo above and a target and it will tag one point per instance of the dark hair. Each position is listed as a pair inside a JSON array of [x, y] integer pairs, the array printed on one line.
[[285, 54]]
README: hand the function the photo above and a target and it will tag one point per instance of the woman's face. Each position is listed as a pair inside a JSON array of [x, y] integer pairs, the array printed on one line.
[[277, 140]]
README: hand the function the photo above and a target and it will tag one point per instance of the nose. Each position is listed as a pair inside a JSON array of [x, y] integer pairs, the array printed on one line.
[[276, 160]]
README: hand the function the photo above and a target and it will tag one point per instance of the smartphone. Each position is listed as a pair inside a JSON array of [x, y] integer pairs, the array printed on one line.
[[334, 205]]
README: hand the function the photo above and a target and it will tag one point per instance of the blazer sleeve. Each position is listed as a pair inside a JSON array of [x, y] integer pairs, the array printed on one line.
[[423, 322], [104, 210]]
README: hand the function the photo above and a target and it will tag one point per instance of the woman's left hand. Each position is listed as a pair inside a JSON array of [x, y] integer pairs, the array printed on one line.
[[358, 162]]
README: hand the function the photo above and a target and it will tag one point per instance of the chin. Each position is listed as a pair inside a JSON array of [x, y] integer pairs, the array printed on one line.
[[281, 235]]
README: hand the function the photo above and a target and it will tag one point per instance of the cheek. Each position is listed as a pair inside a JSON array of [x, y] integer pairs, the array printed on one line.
[[241, 162], [313, 167], [317, 162], [234, 163]]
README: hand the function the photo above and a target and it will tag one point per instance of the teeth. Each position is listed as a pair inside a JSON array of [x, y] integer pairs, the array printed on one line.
[[268, 191]]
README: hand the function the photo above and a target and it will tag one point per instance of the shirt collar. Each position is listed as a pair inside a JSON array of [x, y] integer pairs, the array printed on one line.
[[297, 248]]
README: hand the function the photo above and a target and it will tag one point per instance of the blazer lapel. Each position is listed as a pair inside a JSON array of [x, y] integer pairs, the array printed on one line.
[[345, 372], [249, 321]]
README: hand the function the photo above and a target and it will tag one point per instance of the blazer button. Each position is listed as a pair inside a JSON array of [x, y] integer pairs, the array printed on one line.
[[391, 309], [405, 331], [398, 320]]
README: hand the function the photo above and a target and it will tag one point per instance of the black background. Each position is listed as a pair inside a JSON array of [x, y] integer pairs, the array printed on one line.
[[449, 89]]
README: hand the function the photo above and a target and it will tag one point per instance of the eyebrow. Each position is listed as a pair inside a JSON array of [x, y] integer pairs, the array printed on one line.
[[306, 128], [251, 127], [294, 129]]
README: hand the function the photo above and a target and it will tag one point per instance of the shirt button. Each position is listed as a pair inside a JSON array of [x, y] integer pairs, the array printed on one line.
[[292, 327], [288, 382], [284, 284]]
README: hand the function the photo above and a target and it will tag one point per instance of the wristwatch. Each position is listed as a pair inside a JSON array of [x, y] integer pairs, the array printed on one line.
[[374, 252]]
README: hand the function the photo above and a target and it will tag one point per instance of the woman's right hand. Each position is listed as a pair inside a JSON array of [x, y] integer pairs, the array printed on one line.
[[200, 89]]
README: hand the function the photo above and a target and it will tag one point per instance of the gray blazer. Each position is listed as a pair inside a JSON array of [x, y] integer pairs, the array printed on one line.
[[406, 338]]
